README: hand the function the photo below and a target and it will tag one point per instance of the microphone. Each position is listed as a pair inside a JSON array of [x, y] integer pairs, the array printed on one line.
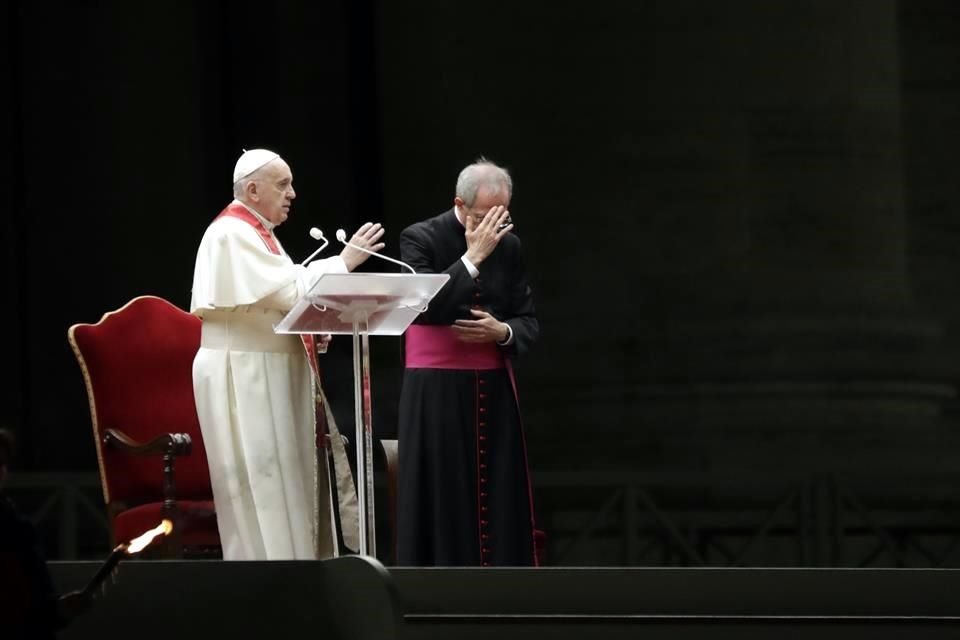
[[316, 234], [342, 237]]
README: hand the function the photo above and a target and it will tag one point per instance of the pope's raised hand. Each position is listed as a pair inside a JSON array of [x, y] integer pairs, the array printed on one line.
[[368, 237]]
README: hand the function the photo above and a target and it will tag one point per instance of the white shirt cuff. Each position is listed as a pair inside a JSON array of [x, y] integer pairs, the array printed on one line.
[[509, 336], [472, 270]]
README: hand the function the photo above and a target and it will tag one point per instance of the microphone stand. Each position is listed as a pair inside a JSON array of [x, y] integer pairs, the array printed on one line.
[[342, 237], [314, 254]]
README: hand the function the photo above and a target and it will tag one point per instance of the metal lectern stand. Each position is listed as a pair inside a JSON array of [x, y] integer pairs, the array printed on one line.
[[361, 305]]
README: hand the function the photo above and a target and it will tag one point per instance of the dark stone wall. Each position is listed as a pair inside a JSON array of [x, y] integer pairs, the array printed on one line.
[[126, 120], [712, 199]]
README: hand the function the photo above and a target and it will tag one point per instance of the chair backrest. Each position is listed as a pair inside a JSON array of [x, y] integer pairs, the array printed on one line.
[[137, 363]]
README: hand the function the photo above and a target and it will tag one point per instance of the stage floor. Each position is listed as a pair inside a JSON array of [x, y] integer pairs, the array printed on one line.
[[356, 598]]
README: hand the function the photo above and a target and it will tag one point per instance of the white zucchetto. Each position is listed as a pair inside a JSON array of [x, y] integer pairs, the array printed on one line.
[[250, 161]]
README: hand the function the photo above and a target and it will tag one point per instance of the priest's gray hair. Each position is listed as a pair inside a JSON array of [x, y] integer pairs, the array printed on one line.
[[482, 173]]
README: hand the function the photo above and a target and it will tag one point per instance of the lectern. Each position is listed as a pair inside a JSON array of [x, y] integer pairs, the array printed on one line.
[[362, 305]]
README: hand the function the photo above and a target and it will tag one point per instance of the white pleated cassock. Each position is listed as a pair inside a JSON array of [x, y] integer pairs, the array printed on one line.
[[255, 397]]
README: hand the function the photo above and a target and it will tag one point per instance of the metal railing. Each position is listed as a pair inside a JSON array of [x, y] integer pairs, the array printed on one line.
[[67, 510], [821, 520], [644, 519]]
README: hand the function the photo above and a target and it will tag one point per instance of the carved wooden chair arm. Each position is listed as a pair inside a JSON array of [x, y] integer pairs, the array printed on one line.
[[176, 444], [169, 445]]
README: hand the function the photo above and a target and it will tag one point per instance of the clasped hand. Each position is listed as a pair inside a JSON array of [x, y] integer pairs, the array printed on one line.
[[485, 328]]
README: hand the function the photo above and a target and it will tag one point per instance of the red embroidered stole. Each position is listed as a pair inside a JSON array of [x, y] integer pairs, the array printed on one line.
[[309, 341]]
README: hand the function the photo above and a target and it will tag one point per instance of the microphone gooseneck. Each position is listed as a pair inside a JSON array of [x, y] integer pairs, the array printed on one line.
[[316, 234], [342, 237]]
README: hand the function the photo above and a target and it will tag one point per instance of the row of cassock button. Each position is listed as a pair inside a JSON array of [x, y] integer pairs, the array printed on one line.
[[482, 474], [482, 459]]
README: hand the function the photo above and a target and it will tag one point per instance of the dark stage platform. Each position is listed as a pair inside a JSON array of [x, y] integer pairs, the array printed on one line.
[[355, 598]]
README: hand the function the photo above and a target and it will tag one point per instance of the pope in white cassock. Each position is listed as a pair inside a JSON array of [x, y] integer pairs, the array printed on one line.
[[255, 390]]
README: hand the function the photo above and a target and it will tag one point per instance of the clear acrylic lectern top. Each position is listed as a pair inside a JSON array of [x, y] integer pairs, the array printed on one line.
[[388, 302]]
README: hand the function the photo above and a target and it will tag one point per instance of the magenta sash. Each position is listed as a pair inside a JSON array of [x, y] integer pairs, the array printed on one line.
[[432, 346]]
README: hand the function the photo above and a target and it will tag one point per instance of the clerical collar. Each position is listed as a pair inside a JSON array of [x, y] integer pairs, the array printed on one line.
[[269, 225]]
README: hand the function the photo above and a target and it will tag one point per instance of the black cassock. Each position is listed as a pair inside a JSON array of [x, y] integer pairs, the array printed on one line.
[[464, 495]]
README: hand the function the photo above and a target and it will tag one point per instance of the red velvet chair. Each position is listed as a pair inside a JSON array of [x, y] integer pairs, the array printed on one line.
[[137, 363]]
